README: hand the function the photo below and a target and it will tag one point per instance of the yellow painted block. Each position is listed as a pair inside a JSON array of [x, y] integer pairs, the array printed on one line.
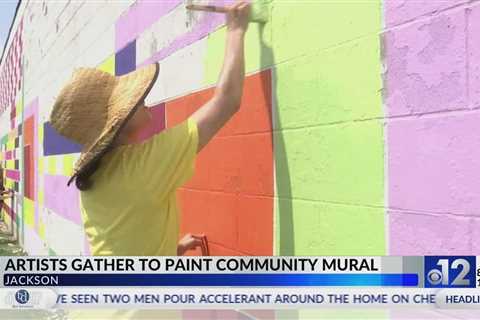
[[108, 65], [40, 134], [40, 165], [20, 106], [41, 229], [52, 165], [28, 212], [40, 197], [68, 165], [10, 164]]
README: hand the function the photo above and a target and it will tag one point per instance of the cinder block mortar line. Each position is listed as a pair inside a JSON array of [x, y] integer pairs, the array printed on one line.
[[431, 213], [426, 115], [228, 248], [386, 208], [248, 195], [348, 204]]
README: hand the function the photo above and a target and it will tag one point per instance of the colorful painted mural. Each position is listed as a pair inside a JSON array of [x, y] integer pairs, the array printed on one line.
[[356, 134]]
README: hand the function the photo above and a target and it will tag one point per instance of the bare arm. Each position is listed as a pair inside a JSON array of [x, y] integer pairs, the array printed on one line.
[[212, 116]]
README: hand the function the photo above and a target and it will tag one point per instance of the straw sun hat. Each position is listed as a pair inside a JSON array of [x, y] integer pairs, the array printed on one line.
[[94, 105]]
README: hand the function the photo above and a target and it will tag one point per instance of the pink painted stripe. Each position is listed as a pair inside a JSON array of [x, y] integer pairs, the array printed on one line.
[[140, 16], [8, 155], [36, 147], [13, 174], [207, 25], [31, 109], [63, 200], [155, 126]]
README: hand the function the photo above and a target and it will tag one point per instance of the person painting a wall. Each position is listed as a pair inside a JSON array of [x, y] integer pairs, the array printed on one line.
[[127, 190]]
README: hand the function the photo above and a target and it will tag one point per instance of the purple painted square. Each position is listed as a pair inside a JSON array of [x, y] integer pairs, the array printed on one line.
[[400, 11], [54, 143], [63, 200], [434, 164], [125, 59], [426, 65], [419, 234], [140, 16], [156, 125]]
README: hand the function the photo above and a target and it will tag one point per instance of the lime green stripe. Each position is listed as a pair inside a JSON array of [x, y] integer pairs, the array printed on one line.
[[329, 167], [108, 65], [29, 212]]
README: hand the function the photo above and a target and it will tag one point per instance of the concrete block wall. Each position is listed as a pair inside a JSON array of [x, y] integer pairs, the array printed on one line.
[[356, 136]]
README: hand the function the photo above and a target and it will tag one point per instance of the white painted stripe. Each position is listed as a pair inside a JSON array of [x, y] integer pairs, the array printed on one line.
[[33, 244], [163, 32], [181, 73], [102, 48], [63, 236]]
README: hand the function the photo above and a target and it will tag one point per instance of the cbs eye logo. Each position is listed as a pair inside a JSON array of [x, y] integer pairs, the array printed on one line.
[[435, 277], [448, 272]]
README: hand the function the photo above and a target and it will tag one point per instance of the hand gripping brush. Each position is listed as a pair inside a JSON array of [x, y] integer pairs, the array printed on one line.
[[258, 10]]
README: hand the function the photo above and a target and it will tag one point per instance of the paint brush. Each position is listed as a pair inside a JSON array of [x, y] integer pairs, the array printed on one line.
[[258, 10]]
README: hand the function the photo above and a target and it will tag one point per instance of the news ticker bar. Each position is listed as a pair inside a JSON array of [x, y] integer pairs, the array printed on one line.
[[421, 272], [238, 298], [212, 280]]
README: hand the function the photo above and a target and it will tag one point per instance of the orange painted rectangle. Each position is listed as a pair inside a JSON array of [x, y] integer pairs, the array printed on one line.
[[230, 198]]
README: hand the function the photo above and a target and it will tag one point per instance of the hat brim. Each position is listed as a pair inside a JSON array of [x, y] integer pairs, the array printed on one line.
[[129, 91]]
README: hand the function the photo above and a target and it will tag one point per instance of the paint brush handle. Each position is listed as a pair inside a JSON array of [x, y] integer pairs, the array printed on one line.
[[209, 8]]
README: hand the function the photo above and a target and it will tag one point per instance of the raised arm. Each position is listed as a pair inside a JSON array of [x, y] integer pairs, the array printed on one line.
[[213, 115]]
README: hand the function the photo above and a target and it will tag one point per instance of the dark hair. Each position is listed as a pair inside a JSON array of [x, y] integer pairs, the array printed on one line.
[[83, 181]]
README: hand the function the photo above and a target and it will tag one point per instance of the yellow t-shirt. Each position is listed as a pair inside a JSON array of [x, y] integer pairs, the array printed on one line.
[[131, 208]]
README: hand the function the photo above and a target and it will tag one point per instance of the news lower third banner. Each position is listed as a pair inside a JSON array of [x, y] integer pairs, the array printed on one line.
[[239, 282]]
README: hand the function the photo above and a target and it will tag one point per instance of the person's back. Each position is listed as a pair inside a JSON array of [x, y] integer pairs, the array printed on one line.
[[128, 190], [131, 208]]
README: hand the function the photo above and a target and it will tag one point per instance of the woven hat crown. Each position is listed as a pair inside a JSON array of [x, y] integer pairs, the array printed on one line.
[[94, 105], [81, 111]]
